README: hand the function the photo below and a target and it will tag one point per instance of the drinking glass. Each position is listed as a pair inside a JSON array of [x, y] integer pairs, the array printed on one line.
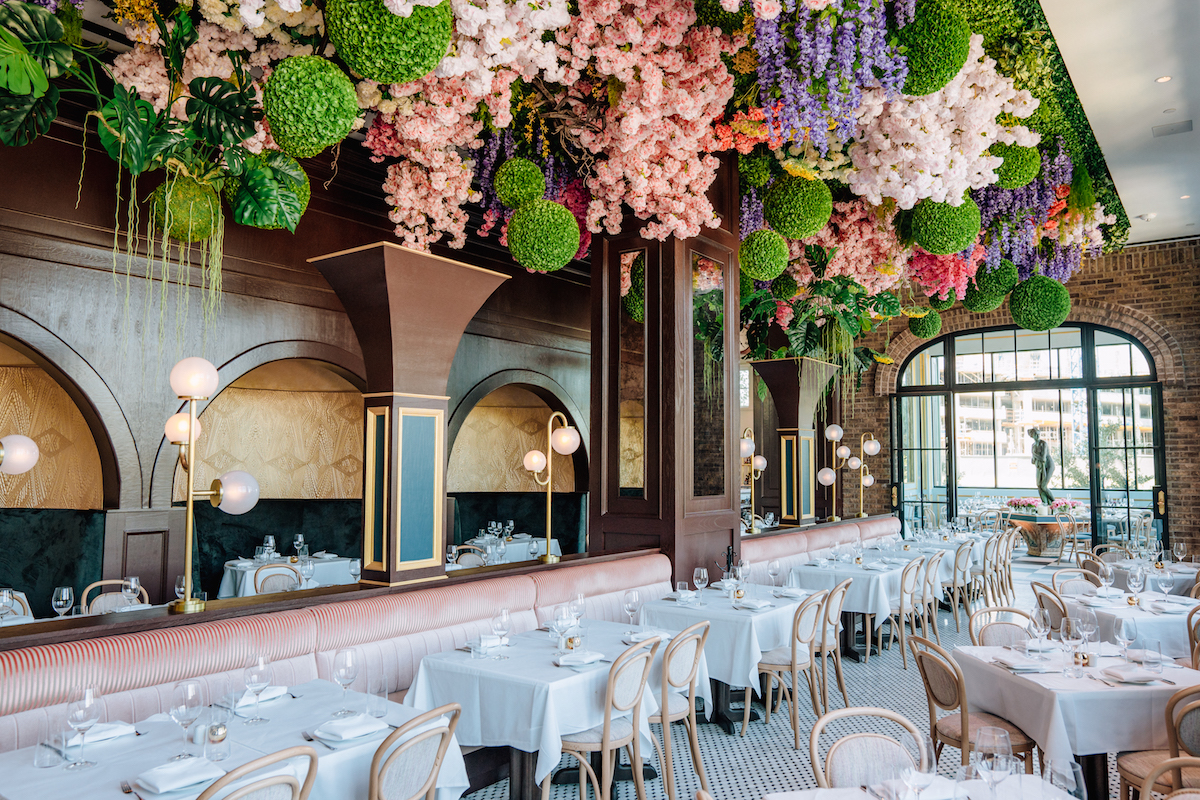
[[577, 606], [1125, 632], [257, 676], [186, 705], [1039, 625], [1071, 635], [180, 586], [501, 625], [7, 603], [631, 601], [307, 568], [377, 696], [1180, 550], [700, 580], [345, 670], [269, 542], [963, 777], [1137, 579], [993, 752], [1088, 624], [534, 550], [1165, 580], [560, 625], [921, 772], [509, 527], [260, 553], [774, 568], [1152, 658], [82, 714], [130, 587], [298, 542], [450, 553], [1067, 775], [501, 550], [64, 598], [1105, 574], [355, 568]]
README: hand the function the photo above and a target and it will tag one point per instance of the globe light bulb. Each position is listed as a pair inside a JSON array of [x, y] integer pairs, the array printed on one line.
[[854, 462], [194, 377], [747, 448], [842, 452], [20, 454], [535, 461], [868, 480], [176, 428], [826, 476], [565, 440], [834, 433], [239, 491], [760, 463], [871, 447]]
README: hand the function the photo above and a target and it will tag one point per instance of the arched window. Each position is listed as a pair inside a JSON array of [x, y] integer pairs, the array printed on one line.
[[968, 402]]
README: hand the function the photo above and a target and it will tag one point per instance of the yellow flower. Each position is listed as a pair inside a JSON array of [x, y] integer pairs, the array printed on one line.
[[915, 312], [887, 268], [798, 168], [883, 359], [130, 11]]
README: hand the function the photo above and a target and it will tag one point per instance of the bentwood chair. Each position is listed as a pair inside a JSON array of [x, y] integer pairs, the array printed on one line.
[[794, 659], [828, 647], [985, 578], [1069, 530], [906, 611], [626, 684], [931, 598], [1195, 591], [279, 786], [272, 578], [407, 762], [703, 795], [1074, 580], [107, 601], [680, 667], [958, 588], [860, 759], [998, 627], [946, 689], [1010, 589], [1183, 739], [1111, 552], [19, 607], [1158, 778], [1050, 602]]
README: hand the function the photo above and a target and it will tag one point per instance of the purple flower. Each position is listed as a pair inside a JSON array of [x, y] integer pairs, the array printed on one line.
[[752, 214]]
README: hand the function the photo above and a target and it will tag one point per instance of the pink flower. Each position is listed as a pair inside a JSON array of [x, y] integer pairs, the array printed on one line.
[[940, 276]]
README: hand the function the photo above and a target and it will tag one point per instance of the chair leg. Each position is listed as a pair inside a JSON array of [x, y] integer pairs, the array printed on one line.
[[662, 762], [837, 666], [904, 641], [666, 761], [932, 619], [767, 700], [635, 759], [811, 677], [694, 744], [746, 710]]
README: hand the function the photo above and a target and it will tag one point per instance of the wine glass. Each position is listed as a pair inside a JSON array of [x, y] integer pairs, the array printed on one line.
[[993, 751], [1137, 580], [307, 568], [1067, 775], [509, 527], [1039, 626], [180, 586], [257, 676], [501, 625], [1070, 634], [269, 543], [1180, 550], [577, 606], [1088, 624], [774, 568], [561, 624], [345, 670], [186, 705], [7, 602], [131, 588], [355, 568], [64, 598], [1125, 632], [82, 714], [1105, 574], [451, 551], [501, 549], [700, 580], [631, 602], [1165, 581], [922, 769], [298, 542], [534, 550]]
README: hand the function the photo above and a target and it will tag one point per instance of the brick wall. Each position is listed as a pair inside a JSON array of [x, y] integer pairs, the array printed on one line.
[[1149, 292]]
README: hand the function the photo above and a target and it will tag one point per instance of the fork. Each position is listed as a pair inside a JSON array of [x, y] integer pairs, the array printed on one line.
[[127, 789], [308, 737]]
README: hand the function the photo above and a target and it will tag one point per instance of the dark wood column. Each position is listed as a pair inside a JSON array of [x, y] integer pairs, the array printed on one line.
[[672, 397]]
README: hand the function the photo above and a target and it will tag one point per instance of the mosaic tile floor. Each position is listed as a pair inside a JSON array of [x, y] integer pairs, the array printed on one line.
[[746, 768]]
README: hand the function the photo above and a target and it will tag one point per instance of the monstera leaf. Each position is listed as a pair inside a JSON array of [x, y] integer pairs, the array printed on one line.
[[24, 117], [126, 129], [20, 72], [41, 33], [267, 197], [219, 112]]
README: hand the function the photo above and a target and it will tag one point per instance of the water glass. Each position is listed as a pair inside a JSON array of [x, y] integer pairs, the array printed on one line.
[[377, 696], [1066, 774], [216, 733], [260, 553], [1071, 635], [64, 598], [355, 568], [269, 543], [1137, 579], [1152, 657], [50, 748]]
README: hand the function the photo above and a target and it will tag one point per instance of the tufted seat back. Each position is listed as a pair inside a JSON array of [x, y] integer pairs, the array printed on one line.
[[604, 586], [805, 544]]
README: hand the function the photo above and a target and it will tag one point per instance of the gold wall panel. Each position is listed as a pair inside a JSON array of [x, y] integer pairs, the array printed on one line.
[[491, 445], [301, 445], [633, 445], [67, 474]]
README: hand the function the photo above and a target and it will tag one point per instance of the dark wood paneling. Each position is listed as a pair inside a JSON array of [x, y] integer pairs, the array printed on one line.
[[145, 555]]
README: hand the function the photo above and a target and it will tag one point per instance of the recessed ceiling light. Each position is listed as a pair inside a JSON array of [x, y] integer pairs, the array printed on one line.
[[1185, 197], [1163, 79], [1170, 110]]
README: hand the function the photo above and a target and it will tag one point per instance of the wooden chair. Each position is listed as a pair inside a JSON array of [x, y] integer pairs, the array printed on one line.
[[1010, 588], [997, 627], [1183, 739], [19, 607], [626, 683], [468, 555], [1074, 580], [1050, 602], [931, 597], [959, 587], [703, 795], [272, 578], [795, 658], [1067, 528], [946, 689], [904, 612], [1155, 779], [681, 665], [1111, 552], [107, 601], [406, 764], [1195, 592], [985, 578], [266, 787], [860, 759], [828, 646]]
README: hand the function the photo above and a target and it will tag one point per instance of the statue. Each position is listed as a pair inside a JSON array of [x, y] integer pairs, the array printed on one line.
[[1045, 466]]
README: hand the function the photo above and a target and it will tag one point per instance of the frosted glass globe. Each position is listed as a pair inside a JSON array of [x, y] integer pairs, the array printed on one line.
[[834, 433], [854, 463], [760, 463], [565, 441], [239, 492], [176, 428], [871, 447], [868, 480], [747, 448], [826, 476], [535, 461], [194, 377], [20, 454], [842, 452]]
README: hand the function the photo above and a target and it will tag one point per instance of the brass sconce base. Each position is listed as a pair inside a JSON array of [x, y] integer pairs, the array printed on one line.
[[549, 558], [185, 606], [834, 518], [861, 514]]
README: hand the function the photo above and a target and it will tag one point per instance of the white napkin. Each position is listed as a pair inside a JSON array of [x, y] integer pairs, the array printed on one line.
[[640, 636], [242, 563], [578, 658], [1182, 567], [684, 596], [1019, 663], [792, 592], [321, 554], [1166, 608], [940, 789], [134, 607], [341, 730], [721, 585], [268, 694], [1042, 644], [1093, 602], [751, 604], [1129, 673], [1139, 655], [488, 640], [522, 536], [179, 774], [103, 732], [877, 566]]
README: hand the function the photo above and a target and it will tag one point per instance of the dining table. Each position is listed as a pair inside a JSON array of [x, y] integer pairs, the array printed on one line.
[[515, 551], [1158, 618], [517, 697], [1183, 576], [1014, 787], [1085, 717], [238, 578], [343, 768]]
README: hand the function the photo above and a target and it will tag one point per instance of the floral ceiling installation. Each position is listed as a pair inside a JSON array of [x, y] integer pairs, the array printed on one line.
[[895, 158]]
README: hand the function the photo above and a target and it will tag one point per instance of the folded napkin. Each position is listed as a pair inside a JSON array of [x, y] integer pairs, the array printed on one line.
[[1129, 673], [1183, 601], [640, 636], [179, 774], [321, 554], [102, 732], [1139, 655], [1041, 644], [134, 607], [683, 597], [792, 592], [489, 640], [268, 694], [940, 789], [751, 603], [1182, 567], [578, 658], [1165, 608], [341, 730], [721, 585], [242, 563], [1093, 602], [1019, 663], [517, 536], [878, 566], [20, 619]]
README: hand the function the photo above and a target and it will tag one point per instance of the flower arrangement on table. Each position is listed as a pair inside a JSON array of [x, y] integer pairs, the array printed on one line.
[[1024, 503], [1065, 504]]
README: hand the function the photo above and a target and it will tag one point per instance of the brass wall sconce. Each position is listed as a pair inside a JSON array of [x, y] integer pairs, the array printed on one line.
[[757, 465], [565, 441]]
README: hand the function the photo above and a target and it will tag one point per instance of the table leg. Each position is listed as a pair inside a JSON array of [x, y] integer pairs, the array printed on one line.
[[723, 715], [1095, 774], [849, 637], [570, 775], [521, 783]]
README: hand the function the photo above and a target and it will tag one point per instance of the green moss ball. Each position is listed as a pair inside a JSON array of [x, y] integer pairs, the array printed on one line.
[[797, 207], [745, 285], [1039, 303], [310, 105], [943, 305], [784, 287], [543, 236], [714, 15], [518, 181], [981, 302], [233, 185], [763, 255], [926, 327], [942, 229], [1000, 280], [188, 211], [936, 44], [1021, 165], [755, 169], [836, 340], [387, 48], [634, 302]]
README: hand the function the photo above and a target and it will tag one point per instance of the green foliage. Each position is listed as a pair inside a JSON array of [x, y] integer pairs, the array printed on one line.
[[271, 192], [784, 287], [980, 301], [836, 340], [634, 302], [763, 255], [713, 14], [1083, 193], [745, 285], [219, 112], [1000, 280], [936, 44], [517, 181], [126, 127], [926, 327], [797, 207], [943, 305], [19, 72], [185, 209], [756, 168], [1021, 164], [40, 33], [310, 105], [1039, 303], [384, 47], [24, 117], [942, 229], [543, 235]]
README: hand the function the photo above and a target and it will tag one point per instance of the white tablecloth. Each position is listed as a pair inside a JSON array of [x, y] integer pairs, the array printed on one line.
[[1071, 716], [238, 580], [518, 550], [341, 773], [1014, 787], [1169, 629], [527, 702], [1183, 578], [737, 638]]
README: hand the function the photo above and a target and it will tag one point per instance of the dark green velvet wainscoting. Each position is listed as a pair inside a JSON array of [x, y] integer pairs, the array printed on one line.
[[331, 525], [41, 548], [527, 510]]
